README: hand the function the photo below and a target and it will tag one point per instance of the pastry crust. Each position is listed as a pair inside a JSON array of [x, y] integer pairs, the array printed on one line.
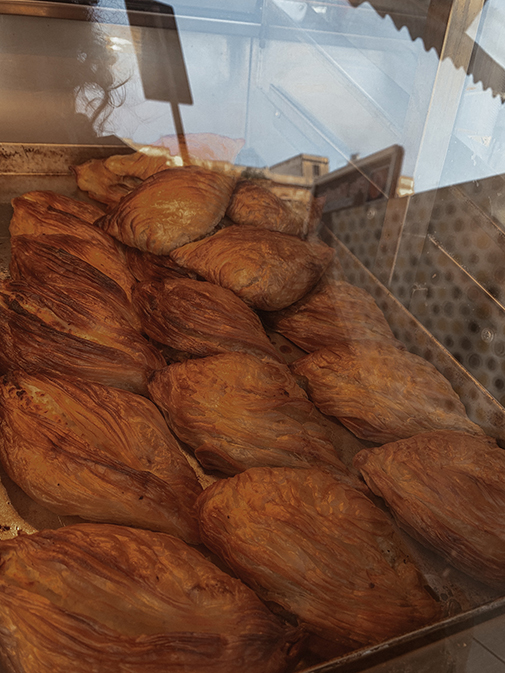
[[334, 311], [170, 209], [40, 215], [269, 270], [447, 489], [255, 205], [97, 452], [200, 318], [237, 411], [381, 393], [320, 549], [75, 334], [99, 597]]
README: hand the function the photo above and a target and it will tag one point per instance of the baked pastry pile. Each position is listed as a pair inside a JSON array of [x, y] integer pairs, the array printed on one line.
[[143, 391]]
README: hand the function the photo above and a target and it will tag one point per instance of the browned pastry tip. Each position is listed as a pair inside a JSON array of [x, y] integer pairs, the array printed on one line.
[[332, 312], [447, 489], [200, 318], [381, 393], [269, 270], [237, 411], [170, 209], [53, 203], [255, 205], [107, 598], [321, 550], [101, 453]]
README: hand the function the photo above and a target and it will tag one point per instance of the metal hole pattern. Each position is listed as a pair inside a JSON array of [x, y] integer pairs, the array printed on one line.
[[481, 406], [360, 229]]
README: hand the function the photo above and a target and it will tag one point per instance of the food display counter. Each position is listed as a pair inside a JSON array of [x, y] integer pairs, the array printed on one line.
[[341, 161]]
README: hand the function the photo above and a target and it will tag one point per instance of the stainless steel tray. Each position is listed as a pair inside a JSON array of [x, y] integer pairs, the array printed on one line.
[[27, 167]]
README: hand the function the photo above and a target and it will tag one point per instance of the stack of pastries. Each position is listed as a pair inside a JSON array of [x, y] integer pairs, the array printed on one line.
[[229, 496]]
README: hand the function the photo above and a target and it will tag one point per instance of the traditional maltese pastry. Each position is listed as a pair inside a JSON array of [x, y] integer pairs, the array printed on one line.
[[101, 453], [100, 597], [200, 318], [319, 549], [269, 270], [148, 266], [48, 205], [62, 262], [74, 334], [447, 489], [381, 393], [169, 209], [255, 205], [40, 215], [334, 311], [236, 411]]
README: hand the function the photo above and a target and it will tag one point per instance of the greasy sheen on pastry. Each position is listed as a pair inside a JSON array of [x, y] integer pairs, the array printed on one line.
[[148, 266], [170, 209], [381, 393], [334, 311], [75, 334], [447, 489], [75, 266], [237, 411], [253, 204], [101, 453], [269, 270], [200, 318], [51, 204], [76, 235], [319, 549], [101, 597]]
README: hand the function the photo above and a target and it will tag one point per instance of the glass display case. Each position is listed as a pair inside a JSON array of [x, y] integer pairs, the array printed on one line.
[[388, 114]]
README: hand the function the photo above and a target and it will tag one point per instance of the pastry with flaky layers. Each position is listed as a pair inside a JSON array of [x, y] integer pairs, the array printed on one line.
[[108, 598], [170, 209], [269, 270], [381, 393], [334, 311], [74, 333], [101, 453], [447, 489], [319, 549], [200, 318], [237, 411]]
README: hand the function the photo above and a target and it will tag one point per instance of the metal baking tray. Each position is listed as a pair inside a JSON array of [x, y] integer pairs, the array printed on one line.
[[47, 167]]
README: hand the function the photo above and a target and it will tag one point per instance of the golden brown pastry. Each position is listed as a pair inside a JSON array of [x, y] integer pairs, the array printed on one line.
[[99, 597], [74, 334], [447, 489], [102, 184], [381, 393], [170, 209], [147, 266], [34, 216], [255, 205], [320, 549], [51, 204], [236, 411], [62, 262], [101, 453], [200, 318], [334, 311], [269, 270]]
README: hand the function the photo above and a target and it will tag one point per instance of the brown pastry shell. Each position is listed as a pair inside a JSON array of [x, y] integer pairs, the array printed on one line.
[[321, 550], [170, 209], [99, 597], [381, 393], [237, 411], [200, 318], [269, 270], [447, 489]]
